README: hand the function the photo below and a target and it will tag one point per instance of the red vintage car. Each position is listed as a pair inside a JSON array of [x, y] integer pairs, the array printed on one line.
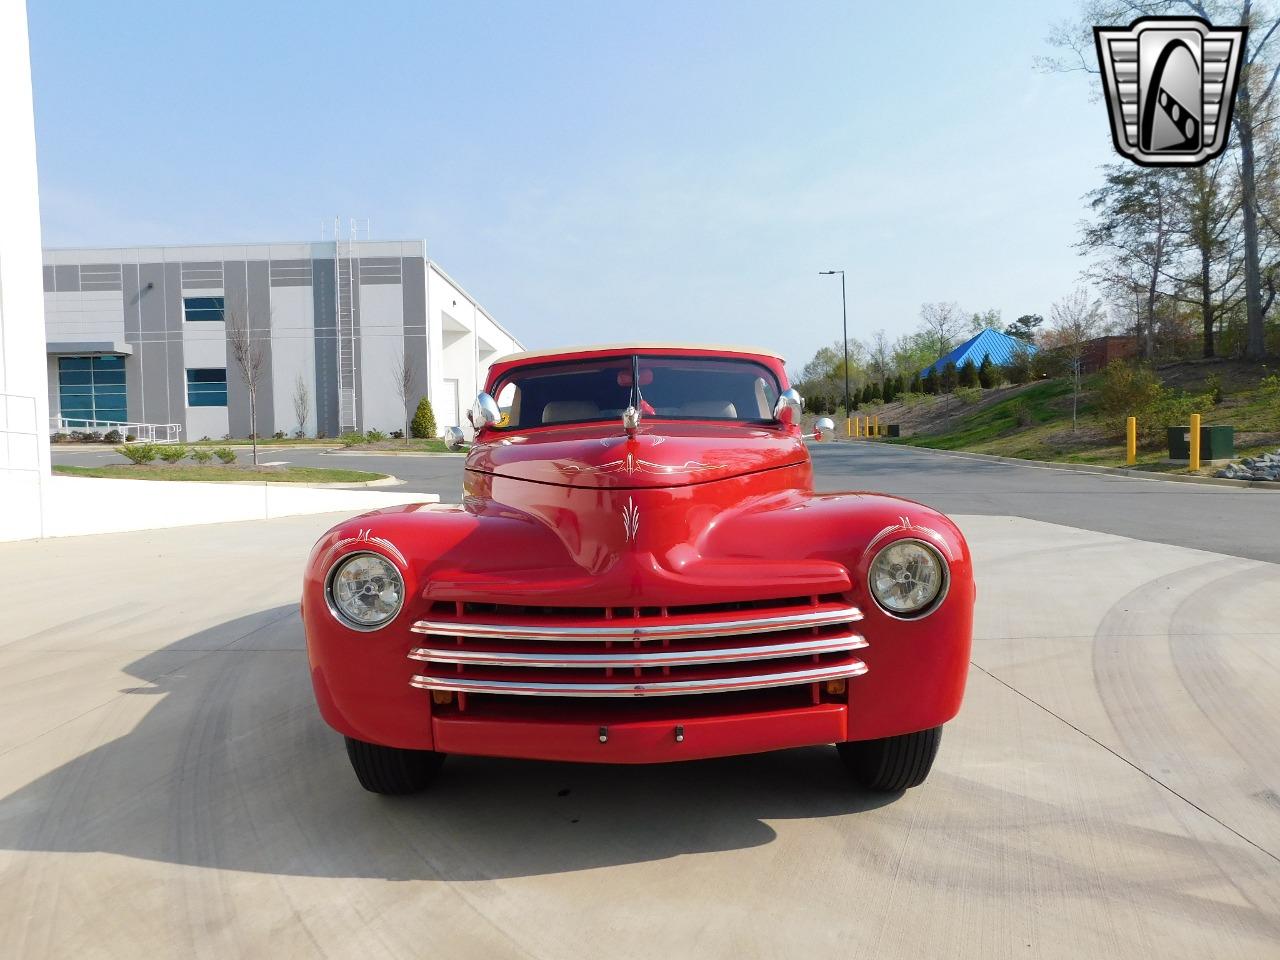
[[640, 571]]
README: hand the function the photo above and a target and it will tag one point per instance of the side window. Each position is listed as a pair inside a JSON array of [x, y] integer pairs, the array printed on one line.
[[206, 387]]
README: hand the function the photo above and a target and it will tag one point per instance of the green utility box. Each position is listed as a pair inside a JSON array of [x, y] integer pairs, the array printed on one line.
[[1216, 443], [892, 430]]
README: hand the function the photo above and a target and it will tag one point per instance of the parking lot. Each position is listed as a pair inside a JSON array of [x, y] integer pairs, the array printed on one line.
[[1111, 787]]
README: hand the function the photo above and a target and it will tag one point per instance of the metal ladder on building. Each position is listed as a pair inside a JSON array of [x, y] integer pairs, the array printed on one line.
[[347, 280]]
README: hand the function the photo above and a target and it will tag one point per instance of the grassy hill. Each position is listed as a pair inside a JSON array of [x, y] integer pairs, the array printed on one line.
[[1034, 421]]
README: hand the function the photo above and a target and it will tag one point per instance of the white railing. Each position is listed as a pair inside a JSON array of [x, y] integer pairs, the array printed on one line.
[[141, 432]]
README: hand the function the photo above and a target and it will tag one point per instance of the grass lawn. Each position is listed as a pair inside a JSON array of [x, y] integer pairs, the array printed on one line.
[[1035, 424], [397, 446], [219, 473]]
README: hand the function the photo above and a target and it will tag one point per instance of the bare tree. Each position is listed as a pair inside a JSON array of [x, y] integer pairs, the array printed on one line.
[[941, 323], [301, 403], [880, 355], [402, 374], [250, 356], [1075, 319]]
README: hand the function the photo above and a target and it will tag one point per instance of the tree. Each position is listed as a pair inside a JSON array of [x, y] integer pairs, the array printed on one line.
[[1254, 110], [1209, 201], [916, 385], [1076, 319], [1024, 328], [940, 325], [988, 320], [1018, 370], [402, 376], [950, 377], [986, 372], [423, 426], [879, 355], [1134, 213], [930, 382], [250, 357], [301, 404], [967, 375]]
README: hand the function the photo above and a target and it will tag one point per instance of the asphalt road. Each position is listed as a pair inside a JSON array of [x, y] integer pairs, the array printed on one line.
[[1110, 789], [1241, 522]]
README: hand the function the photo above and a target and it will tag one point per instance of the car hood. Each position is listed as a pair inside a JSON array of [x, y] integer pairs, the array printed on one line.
[[660, 455]]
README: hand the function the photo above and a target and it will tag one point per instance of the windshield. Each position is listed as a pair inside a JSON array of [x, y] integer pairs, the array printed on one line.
[[673, 388]]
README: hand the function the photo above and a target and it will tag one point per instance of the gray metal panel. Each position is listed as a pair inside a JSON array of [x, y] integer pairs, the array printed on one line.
[[260, 325], [291, 265], [326, 336], [133, 364], [48, 279], [66, 277], [154, 375], [210, 265], [173, 335], [291, 282], [367, 280], [202, 284], [236, 287], [414, 306]]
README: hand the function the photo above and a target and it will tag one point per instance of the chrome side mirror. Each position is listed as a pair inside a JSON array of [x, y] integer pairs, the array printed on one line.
[[789, 400], [824, 429], [484, 411], [454, 438]]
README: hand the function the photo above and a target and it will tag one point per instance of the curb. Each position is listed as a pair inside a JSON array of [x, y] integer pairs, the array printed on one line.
[[340, 451], [1093, 468]]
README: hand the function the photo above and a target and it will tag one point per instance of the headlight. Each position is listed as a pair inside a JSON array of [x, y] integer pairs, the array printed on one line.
[[364, 591], [908, 578]]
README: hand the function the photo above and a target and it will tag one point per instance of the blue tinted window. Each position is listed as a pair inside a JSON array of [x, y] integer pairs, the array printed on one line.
[[204, 308], [206, 387], [92, 389]]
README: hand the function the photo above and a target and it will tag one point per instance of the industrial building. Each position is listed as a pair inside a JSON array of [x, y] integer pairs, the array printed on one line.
[[138, 336]]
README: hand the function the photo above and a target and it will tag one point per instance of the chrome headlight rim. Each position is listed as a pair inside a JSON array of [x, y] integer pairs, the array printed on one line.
[[928, 608], [332, 604]]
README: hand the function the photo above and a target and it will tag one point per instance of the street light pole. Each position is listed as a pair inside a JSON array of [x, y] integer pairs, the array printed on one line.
[[844, 318]]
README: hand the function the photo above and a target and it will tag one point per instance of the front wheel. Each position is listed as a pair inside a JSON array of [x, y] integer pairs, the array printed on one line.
[[391, 770], [892, 763]]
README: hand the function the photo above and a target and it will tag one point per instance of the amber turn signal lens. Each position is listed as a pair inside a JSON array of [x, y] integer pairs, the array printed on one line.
[[835, 687], [442, 696]]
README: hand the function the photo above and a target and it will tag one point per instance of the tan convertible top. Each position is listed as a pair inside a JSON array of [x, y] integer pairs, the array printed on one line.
[[638, 345]]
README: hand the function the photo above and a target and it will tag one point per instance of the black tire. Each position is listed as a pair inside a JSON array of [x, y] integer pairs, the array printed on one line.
[[390, 770], [894, 763]]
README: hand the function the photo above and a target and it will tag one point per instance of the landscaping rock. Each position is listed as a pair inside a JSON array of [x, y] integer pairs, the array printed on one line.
[[1265, 467]]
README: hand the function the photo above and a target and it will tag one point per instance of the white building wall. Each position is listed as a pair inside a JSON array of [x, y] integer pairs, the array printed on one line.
[[293, 354], [24, 396], [381, 351]]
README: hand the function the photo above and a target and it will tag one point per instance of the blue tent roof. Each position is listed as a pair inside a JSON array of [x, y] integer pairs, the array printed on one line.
[[1000, 347]]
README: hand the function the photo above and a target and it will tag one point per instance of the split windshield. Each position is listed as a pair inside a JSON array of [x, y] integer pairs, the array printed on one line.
[[671, 388]]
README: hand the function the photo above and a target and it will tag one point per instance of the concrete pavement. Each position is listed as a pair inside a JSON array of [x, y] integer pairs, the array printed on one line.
[[1109, 789]]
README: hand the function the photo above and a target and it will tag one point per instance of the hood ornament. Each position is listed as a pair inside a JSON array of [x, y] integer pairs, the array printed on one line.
[[631, 420]]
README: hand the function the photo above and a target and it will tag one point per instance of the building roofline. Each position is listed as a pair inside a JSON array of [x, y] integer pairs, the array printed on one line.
[[470, 299]]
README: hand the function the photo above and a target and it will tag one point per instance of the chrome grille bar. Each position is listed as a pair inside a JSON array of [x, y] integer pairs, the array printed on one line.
[[655, 688], [841, 643], [642, 631]]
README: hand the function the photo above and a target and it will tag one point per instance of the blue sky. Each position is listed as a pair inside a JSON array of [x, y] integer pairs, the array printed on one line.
[[592, 171]]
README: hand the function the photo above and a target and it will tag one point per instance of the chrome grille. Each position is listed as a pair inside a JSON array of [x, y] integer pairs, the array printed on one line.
[[636, 651]]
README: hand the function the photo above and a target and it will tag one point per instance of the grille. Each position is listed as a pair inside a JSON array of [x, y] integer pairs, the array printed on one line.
[[630, 652]]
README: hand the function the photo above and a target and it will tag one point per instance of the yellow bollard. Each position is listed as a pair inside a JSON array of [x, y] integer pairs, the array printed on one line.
[[875, 428], [1131, 441], [1194, 465], [857, 427], [848, 430]]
